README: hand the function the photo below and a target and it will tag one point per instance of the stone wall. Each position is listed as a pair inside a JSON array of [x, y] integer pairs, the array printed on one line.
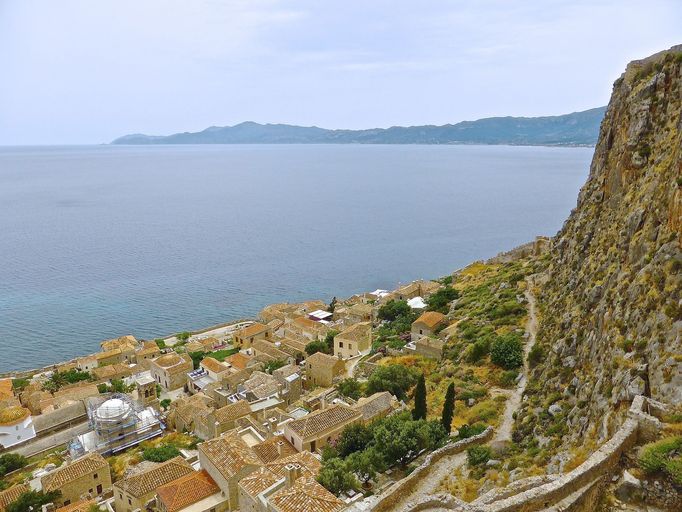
[[404, 487], [577, 490]]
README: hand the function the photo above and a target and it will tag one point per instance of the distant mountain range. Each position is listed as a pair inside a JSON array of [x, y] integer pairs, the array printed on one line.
[[576, 129]]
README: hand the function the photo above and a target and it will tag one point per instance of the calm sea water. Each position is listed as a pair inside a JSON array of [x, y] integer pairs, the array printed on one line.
[[101, 241]]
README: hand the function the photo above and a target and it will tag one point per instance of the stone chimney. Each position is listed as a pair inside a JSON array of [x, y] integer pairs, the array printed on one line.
[[292, 473], [280, 447]]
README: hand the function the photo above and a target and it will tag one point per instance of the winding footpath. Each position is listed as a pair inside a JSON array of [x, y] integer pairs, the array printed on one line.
[[442, 470]]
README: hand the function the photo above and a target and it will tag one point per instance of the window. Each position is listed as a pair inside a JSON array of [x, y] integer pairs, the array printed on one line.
[[129, 502], [340, 344], [99, 488], [67, 502], [350, 346], [94, 476], [90, 491], [120, 496], [420, 331]]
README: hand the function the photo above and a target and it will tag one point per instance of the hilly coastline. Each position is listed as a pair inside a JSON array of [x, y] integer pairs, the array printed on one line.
[[575, 129]]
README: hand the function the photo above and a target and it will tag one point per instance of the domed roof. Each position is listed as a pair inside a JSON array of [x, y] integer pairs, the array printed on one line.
[[113, 408], [168, 360], [14, 414]]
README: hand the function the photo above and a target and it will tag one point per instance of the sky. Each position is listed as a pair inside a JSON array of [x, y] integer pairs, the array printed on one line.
[[88, 71]]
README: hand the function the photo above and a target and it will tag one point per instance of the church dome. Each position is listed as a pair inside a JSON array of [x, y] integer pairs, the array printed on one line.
[[113, 408], [168, 360], [13, 415]]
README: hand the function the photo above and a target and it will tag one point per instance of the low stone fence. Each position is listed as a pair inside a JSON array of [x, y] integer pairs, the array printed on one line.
[[403, 487], [580, 484]]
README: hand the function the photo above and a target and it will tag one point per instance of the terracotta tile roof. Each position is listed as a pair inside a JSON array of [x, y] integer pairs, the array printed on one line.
[[298, 345], [128, 342], [187, 490], [320, 421], [13, 415], [143, 483], [304, 496], [258, 481], [252, 330], [229, 454], [270, 349], [270, 450], [79, 506], [310, 464], [358, 332], [189, 408], [261, 385], [431, 319], [321, 359], [306, 323], [72, 471], [238, 360], [374, 405], [11, 495], [213, 365], [286, 371], [108, 353], [233, 411], [111, 371]]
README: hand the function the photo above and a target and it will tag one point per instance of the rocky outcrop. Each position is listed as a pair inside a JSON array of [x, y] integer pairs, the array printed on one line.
[[611, 310]]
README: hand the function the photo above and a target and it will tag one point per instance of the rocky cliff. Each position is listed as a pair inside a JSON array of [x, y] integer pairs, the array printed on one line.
[[611, 306]]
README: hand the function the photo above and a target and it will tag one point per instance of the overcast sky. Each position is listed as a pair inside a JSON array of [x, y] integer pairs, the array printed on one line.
[[88, 71]]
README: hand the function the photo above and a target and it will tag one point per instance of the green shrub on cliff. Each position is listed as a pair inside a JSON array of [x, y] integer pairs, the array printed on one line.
[[663, 455], [507, 351]]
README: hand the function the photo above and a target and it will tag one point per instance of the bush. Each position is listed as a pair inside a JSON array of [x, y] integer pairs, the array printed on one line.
[[160, 343], [11, 462], [160, 453], [336, 477], [317, 346], [32, 501], [350, 388], [466, 431], [440, 300], [478, 351], [654, 456], [395, 378], [477, 455], [507, 351], [393, 309]]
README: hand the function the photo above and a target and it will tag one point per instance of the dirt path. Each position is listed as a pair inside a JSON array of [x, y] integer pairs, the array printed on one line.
[[503, 432], [443, 469]]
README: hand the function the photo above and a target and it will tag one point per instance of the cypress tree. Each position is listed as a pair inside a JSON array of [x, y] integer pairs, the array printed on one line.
[[448, 407], [419, 412]]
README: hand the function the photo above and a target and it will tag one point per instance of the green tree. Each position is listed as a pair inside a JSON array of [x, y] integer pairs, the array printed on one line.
[[507, 351], [32, 501], [165, 403], [329, 341], [394, 378], [160, 343], [273, 365], [448, 408], [394, 309], [336, 477], [317, 346], [197, 357], [441, 300], [11, 462], [183, 336], [160, 453], [354, 438], [477, 455], [332, 305], [350, 388], [365, 464], [419, 411]]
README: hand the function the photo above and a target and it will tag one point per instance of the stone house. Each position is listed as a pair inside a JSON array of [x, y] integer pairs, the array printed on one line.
[[86, 476], [429, 347], [185, 411], [228, 459], [426, 324], [270, 352], [353, 314], [245, 337], [149, 350], [415, 289], [376, 406], [222, 420], [323, 369], [316, 430], [109, 357], [304, 494], [137, 490], [87, 363], [112, 371], [273, 448], [291, 383], [170, 370], [353, 341], [304, 327], [195, 492]]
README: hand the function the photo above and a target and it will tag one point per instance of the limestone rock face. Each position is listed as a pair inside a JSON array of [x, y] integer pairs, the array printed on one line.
[[611, 310]]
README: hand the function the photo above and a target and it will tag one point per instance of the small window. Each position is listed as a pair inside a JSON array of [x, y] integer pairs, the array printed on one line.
[[67, 502], [90, 491], [420, 331], [350, 346], [129, 502], [120, 496], [94, 476], [340, 344]]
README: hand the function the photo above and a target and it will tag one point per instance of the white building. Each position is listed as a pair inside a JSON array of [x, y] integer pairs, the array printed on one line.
[[16, 426]]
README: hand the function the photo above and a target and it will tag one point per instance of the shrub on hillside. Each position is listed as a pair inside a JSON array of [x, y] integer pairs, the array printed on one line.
[[653, 457], [477, 455], [507, 351], [160, 453]]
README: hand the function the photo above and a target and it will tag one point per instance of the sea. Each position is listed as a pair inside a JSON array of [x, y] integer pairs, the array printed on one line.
[[101, 241]]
